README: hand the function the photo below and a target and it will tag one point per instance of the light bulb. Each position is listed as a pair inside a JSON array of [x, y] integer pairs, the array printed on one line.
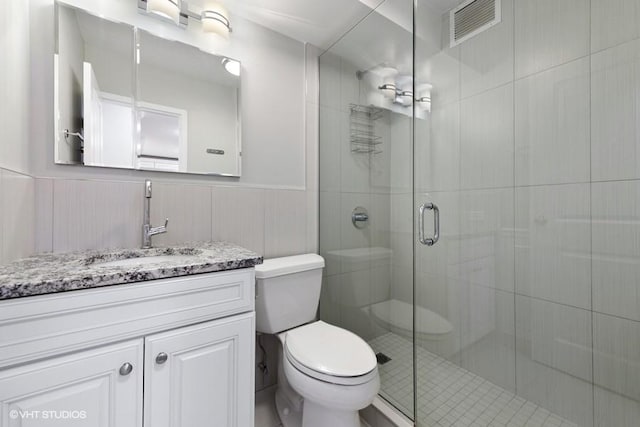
[[215, 19], [232, 66]]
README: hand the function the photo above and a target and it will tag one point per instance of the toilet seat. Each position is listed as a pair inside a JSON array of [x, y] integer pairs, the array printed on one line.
[[330, 354]]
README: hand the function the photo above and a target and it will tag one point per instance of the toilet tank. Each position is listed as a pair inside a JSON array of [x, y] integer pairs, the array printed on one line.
[[287, 292]]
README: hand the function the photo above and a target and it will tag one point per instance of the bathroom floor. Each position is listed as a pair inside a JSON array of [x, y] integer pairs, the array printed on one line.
[[266, 415], [449, 395], [265, 412]]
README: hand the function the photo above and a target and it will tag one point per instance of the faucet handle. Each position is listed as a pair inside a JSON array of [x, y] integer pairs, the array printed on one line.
[[166, 222]]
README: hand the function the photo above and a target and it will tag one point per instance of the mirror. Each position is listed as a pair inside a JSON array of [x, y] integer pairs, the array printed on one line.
[[126, 98]]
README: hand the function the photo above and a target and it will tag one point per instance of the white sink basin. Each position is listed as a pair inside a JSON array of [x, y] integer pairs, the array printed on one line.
[[157, 259]]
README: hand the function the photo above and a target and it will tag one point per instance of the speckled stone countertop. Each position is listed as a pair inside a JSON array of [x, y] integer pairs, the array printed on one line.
[[60, 272]]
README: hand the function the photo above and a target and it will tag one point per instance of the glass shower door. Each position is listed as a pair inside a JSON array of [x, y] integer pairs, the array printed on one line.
[[366, 189]]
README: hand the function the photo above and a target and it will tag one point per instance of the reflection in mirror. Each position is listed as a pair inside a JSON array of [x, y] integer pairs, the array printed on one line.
[[129, 99], [94, 85], [190, 92]]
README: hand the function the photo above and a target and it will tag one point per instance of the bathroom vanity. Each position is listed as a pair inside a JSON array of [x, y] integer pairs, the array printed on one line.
[[162, 337]]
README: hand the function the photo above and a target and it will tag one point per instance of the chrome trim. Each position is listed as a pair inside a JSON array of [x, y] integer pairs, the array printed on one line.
[[359, 217], [147, 229], [429, 241], [216, 16]]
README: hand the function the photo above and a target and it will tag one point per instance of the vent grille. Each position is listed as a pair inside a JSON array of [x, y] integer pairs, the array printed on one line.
[[472, 17]]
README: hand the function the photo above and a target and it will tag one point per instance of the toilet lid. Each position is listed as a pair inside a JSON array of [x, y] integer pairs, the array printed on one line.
[[329, 350]]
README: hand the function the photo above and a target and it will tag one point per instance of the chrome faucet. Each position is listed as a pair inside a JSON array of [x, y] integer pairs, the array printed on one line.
[[147, 229]]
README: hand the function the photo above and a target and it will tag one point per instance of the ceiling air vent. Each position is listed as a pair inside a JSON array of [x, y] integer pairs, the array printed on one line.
[[471, 18]]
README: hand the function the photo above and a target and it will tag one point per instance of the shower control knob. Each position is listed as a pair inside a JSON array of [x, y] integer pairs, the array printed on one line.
[[161, 358]]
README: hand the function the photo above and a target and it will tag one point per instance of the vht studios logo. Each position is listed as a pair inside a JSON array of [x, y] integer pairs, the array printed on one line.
[[15, 414]]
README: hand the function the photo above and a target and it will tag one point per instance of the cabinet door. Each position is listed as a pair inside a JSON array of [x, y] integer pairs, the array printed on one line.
[[201, 375], [84, 389]]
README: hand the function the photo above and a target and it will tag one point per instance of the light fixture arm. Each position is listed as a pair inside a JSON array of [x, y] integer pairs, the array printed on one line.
[[185, 14]]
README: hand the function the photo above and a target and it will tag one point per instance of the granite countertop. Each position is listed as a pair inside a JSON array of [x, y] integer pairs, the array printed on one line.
[[60, 272]]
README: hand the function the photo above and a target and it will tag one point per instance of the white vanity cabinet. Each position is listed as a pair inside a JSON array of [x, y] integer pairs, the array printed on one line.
[[82, 389], [200, 375], [169, 352]]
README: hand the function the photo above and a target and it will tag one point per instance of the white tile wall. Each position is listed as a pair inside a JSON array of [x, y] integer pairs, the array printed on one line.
[[616, 252], [553, 255], [487, 238], [350, 236], [395, 164], [238, 216], [330, 148], [380, 219], [615, 112], [441, 70], [549, 33], [79, 214], [553, 358], [330, 299], [18, 217], [395, 149], [437, 150], [313, 218], [96, 214], [552, 125], [285, 223], [355, 168], [330, 230], [613, 409], [44, 215], [616, 355], [486, 139], [349, 85], [188, 208], [487, 333], [487, 59], [330, 81], [613, 22]]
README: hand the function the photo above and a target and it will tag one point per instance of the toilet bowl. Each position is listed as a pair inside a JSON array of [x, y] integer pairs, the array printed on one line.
[[326, 373], [397, 317]]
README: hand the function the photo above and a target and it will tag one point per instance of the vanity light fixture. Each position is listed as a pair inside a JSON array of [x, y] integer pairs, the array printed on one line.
[[424, 97], [214, 17], [406, 97], [424, 103], [166, 8], [389, 90], [232, 66]]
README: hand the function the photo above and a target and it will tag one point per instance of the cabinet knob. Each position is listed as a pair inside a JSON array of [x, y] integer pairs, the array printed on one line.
[[161, 358], [126, 369]]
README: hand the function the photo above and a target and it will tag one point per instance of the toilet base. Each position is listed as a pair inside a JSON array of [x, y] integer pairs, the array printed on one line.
[[288, 415]]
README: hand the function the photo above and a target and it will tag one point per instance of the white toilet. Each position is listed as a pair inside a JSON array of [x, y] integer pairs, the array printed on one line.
[[326, 374]]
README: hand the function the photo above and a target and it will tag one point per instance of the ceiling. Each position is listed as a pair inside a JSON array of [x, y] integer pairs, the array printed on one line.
[[323, 22]]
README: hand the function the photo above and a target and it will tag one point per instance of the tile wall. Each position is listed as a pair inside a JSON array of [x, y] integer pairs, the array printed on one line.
[[534, 159]]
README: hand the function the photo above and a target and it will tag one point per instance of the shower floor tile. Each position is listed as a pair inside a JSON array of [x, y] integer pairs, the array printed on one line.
[[450, 396]]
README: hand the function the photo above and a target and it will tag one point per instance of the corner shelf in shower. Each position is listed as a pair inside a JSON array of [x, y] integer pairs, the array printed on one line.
[[362, 133]]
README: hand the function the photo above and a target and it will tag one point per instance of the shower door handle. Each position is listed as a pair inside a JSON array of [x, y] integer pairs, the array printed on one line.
[[429, 241]]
